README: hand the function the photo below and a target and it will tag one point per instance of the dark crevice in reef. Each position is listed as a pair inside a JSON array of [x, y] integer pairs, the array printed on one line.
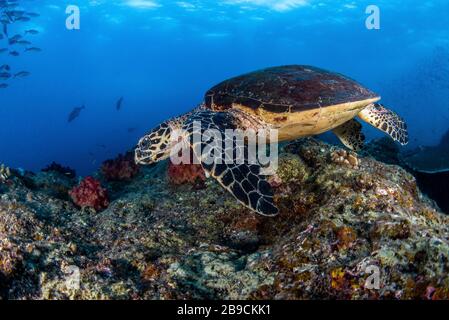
[[4, 284], [436, 186]]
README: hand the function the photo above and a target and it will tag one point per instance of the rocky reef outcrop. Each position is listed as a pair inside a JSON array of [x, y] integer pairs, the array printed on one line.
[[349, 227]]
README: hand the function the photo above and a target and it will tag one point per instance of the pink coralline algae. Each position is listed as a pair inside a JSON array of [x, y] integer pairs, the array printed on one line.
[[89, 193], [179, 174], [121, 168]]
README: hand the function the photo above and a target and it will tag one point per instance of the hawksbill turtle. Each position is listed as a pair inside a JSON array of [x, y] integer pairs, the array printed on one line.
[[296, 100]]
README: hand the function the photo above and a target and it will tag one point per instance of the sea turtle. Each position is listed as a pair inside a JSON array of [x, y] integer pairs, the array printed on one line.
[[296, 100]]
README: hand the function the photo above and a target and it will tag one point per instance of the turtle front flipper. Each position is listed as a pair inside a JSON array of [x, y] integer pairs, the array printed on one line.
[[351, 135], [387, 121], [243, 179]]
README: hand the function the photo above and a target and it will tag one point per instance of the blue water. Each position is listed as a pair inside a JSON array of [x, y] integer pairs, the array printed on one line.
[[161, 56]]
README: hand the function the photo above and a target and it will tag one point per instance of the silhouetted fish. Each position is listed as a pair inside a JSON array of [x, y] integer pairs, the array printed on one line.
[[24, 42], [22, 74], [16, 37], [14, 53], [5, 75], [33, 49], [32, 31], [3, 85], [24, 19], [119, 103], [75, 113], [15, 13]]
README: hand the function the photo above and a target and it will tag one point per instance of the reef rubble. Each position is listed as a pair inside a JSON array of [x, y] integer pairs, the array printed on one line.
[[343, 220]]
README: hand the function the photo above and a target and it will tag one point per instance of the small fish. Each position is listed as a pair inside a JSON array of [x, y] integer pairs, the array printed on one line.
[[3, 85], [119, 103], [33, 49], [15, 13], [23, 42], [32, 31], [16, 37], [33, 14], [25, 19], [14, 53], [75, 113], [22, 74], [5, 67], [5, 75]]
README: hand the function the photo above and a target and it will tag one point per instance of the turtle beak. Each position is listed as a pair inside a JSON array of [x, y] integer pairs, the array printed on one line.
[[142, 153], [140, 158]]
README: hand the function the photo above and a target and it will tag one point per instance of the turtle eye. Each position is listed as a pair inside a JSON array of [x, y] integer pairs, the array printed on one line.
[[145, 143]]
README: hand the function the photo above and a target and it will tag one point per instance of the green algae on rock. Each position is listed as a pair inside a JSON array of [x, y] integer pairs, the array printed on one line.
[[158, 241]]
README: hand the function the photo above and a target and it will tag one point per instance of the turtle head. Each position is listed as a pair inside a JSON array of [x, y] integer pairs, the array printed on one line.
[[155, 146]]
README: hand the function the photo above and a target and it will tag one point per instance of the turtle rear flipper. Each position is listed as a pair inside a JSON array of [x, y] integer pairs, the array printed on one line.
[[387, 121], [351, 135], [243, 179]]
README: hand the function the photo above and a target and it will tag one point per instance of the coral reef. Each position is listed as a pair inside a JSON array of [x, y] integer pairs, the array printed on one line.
[[121, 168], [55, 167], [89, 193], [339, 226], [54, 180], [430, 165], [432, 177], [344, 157]]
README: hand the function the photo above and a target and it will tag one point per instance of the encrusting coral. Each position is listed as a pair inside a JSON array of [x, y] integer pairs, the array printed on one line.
[[339, 225], [346, 158]]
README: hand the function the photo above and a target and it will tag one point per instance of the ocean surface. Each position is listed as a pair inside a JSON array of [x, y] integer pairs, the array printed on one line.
[[155, 59]]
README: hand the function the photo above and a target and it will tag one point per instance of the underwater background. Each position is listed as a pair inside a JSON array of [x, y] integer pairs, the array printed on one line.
[[79, 219], [161, 56]]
